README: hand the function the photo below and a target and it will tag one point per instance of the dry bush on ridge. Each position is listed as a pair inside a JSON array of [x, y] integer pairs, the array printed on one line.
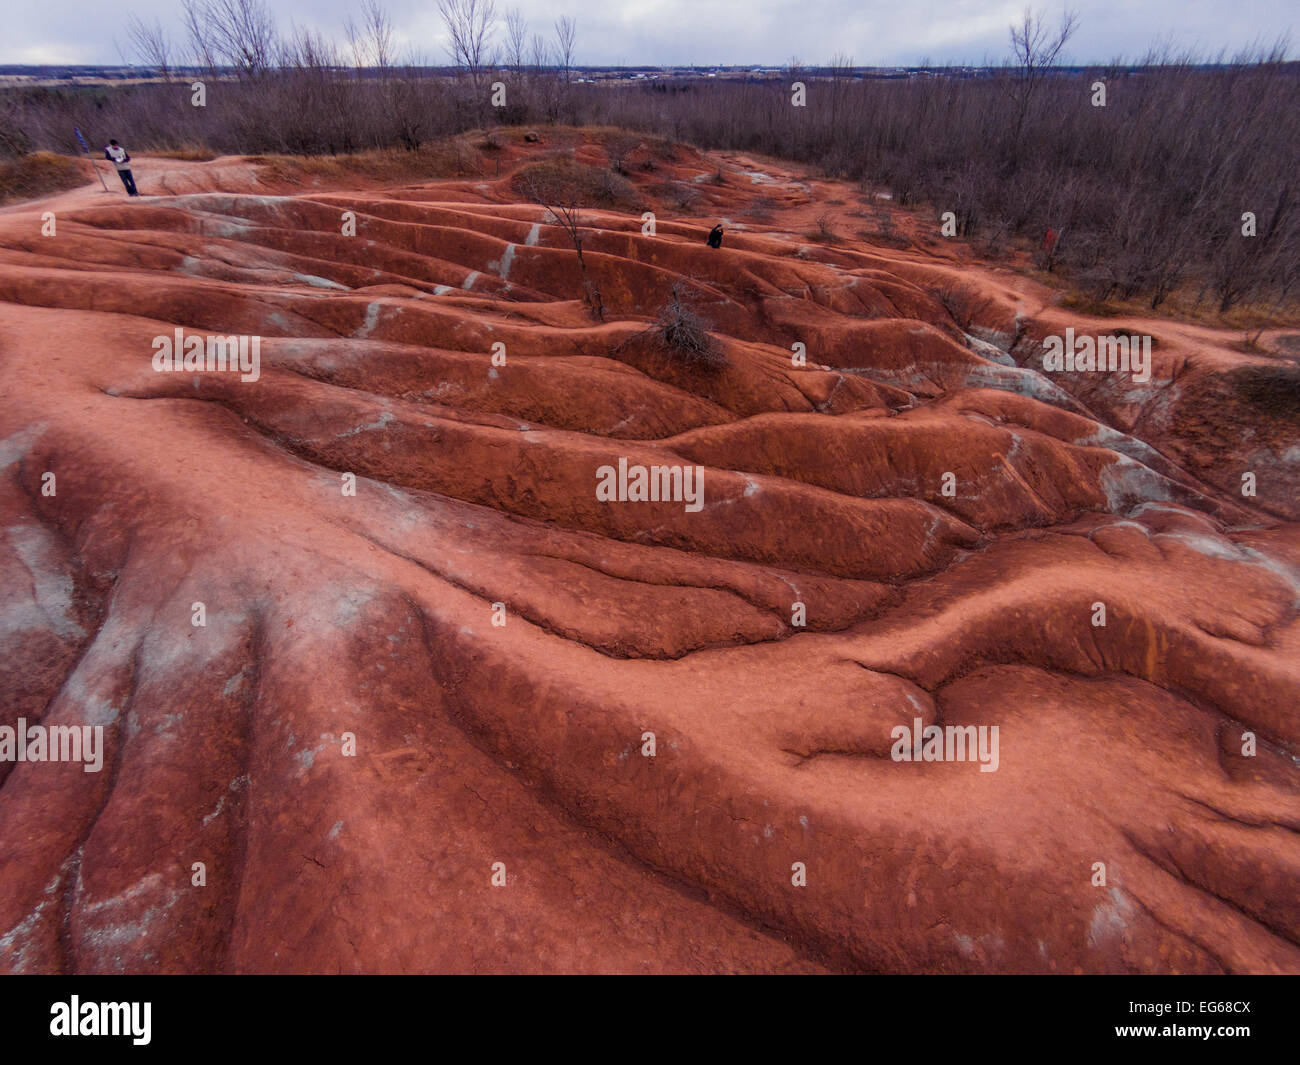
[[686, 335], [676, 194], [40, 174], [887, 240], [449, 159], [190, 153], [563, 176], [825, 232], [618, 146]]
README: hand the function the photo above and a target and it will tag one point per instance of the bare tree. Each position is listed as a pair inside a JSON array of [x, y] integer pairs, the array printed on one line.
[[516, 40], [310, 107], [240, 33], [150, 44], [470, 25], [545, 83], [561, 196], [566, 36], [194, 20], [841, 80], [539, 55], [1241, 266], [374, 48], [371, 40], [245, 33], [1034, 51]]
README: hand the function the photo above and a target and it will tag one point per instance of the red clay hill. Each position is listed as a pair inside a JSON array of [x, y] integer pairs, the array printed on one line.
[[414, 729]]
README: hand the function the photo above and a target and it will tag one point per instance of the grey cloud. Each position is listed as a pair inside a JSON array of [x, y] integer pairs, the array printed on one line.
[[706, 32]]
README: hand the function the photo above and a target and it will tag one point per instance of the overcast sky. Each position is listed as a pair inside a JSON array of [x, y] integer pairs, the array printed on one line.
[[705, 32]]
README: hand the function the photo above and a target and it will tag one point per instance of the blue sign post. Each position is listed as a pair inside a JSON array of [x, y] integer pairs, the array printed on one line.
[[86, 148]]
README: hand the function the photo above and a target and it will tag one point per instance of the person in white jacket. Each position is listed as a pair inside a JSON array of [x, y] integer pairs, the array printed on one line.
[[118, 156]]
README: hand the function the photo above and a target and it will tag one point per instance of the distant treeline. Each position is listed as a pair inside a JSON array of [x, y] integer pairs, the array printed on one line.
[[1183, 180], [1152, 192]]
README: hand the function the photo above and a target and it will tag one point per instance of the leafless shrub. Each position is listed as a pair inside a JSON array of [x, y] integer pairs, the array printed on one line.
[[594, 186], [150, 44], [995, 244], [618, 147], [678, 195], [890, 239], [560, 190], [825, 229], [193, 153], [686, 335]]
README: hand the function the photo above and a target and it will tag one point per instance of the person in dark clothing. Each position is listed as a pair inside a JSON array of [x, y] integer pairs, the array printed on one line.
[[117, 155], [715, 236]]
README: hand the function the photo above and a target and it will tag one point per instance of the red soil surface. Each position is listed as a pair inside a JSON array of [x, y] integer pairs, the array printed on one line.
[[521, 744]]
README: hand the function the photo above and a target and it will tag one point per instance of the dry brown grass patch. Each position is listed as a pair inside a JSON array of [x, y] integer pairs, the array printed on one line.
[[39, 174]]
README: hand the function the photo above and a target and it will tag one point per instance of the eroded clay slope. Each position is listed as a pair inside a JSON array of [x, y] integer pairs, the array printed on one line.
[[824, 502]]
